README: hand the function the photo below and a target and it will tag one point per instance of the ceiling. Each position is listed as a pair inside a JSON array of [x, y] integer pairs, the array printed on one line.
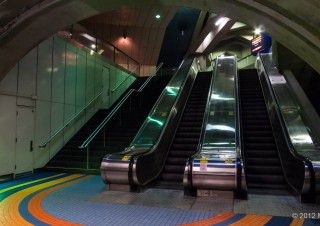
[[296, 27]]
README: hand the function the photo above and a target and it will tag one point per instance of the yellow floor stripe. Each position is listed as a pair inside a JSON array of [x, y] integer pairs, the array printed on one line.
[[31, 182], [9, 207], [297, 222], [253, 220]]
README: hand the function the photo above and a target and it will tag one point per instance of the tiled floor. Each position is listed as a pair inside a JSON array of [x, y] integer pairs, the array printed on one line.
[[64, 199]]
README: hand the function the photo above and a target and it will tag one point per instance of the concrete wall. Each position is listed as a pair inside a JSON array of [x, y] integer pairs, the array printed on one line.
[[44, 90]]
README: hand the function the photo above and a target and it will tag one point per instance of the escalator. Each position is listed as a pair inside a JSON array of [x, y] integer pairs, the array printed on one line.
[[262, 164], [186, 138]]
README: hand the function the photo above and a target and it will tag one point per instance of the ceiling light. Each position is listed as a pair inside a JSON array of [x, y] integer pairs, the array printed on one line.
[[257, 31], [93, 46], [157, 16]]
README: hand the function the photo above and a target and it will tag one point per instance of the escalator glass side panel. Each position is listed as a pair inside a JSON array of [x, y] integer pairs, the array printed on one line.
[[220, 130], [303, 139], [154, 124], [301, 163], [299, 131], [214, 166]]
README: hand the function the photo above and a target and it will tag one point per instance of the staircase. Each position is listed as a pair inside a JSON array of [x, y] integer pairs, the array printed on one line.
[[186, 139], [119, 131], [262, 164]]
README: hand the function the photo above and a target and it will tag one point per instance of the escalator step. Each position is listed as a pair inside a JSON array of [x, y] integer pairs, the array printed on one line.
[[265, 179], [176, 161], [172, 177], [186, 135], [271, 170], [261, 153], [275, 187], [174, 168], [262, 161], [186, 140], [185, 146], [261, 139], [181, 153], [260, 146]]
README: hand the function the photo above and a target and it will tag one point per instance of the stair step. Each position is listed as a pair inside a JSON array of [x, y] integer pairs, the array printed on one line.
[[262, 164]]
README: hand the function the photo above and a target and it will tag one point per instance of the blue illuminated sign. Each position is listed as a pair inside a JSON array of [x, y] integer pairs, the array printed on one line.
[[260, 44]]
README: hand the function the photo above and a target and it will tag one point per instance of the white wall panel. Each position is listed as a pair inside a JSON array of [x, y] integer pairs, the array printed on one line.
[[27, 77], [98, 84], [42, 132], [63, 84], [113, 85], [70, 76], [81, 87], [90, 85], [90, 79], [7, 134], [9, 82], [57, 112], [106, 92], [44, 70], [58, 71], [81, 81], [69, 131]]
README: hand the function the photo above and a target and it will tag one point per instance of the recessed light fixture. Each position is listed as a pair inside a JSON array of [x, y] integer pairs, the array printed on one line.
[[158, 16], [257, 31]]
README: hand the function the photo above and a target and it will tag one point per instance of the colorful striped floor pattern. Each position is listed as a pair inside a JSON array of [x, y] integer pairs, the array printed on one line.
[[47, 198]]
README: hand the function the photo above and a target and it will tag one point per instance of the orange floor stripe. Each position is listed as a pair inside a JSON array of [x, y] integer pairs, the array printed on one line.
[[297, 222], [9, 207], [210, 221], [38, 212], [252, 220]]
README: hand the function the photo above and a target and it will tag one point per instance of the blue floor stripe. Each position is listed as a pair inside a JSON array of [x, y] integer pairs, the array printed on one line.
[[231, 220], [276, 220], [311, 222], [23, 210]]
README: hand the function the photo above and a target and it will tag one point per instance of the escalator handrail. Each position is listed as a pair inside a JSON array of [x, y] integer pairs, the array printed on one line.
[[156, 144], [307, 163], [157, 104], [115, 109]]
